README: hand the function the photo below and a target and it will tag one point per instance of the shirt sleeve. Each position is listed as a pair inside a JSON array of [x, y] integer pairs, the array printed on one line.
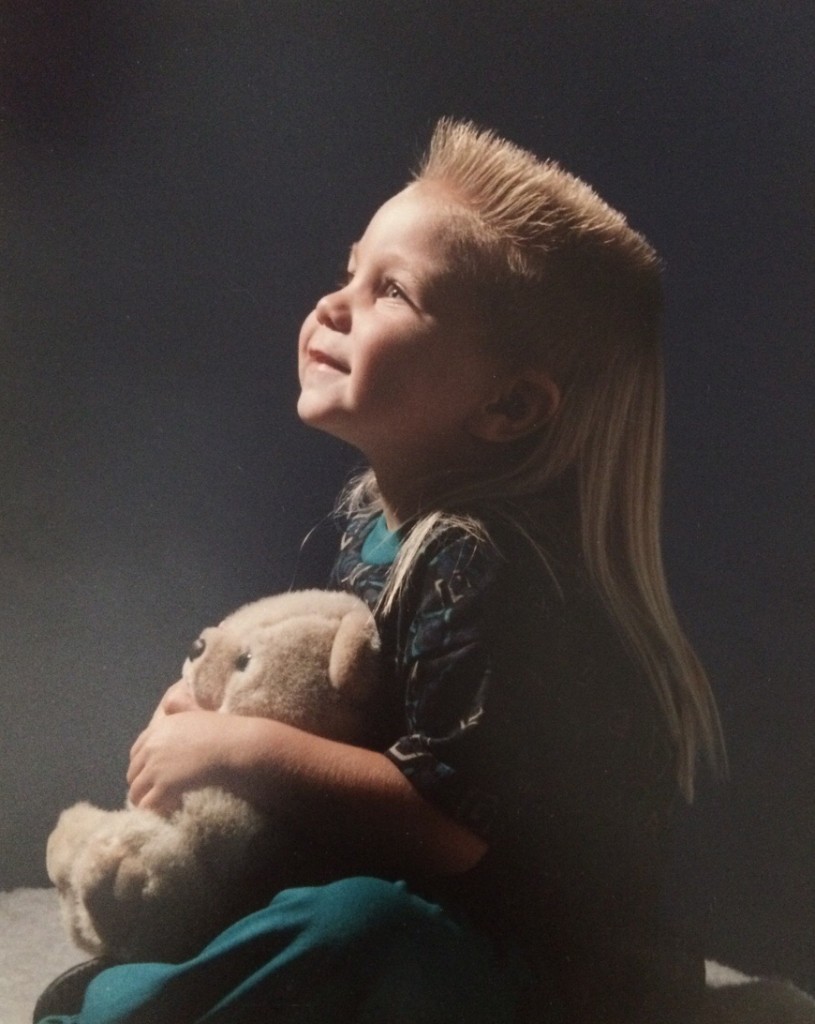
[[447, 666]]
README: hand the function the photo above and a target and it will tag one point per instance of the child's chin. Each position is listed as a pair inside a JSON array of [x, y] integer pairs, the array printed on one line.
[[311, 409], [315, 414]]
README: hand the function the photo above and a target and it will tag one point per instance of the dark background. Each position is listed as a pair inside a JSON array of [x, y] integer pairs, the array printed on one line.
[[179, 182]]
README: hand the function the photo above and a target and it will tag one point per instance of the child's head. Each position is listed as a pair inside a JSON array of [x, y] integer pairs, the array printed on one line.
[[521, 329]]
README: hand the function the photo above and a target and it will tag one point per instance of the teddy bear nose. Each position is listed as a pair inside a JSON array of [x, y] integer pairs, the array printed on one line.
[[197, 649]]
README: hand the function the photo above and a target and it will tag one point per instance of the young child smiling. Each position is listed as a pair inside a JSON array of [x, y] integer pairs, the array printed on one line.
[[494, 354]]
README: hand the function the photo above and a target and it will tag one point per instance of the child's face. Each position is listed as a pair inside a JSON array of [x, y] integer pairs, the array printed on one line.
[[394, 361]]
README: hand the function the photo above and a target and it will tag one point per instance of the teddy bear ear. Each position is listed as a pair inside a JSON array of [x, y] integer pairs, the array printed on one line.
[[353, 666]]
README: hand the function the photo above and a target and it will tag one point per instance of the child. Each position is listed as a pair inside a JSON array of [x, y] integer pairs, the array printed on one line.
[[494, 354]]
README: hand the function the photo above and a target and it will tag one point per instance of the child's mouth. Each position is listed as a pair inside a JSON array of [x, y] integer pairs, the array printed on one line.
[[324, 360]]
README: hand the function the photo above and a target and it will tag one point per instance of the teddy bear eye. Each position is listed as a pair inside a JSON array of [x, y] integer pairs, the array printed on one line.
[[242, 661], [197, 648]]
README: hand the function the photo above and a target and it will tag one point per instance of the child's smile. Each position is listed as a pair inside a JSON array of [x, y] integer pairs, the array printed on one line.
[[394, 361]]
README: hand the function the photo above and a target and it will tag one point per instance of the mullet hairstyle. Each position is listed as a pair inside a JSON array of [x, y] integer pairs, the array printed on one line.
[[569, 288]]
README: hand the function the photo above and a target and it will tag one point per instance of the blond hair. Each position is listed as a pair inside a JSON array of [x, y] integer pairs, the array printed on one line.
[[570, 288]]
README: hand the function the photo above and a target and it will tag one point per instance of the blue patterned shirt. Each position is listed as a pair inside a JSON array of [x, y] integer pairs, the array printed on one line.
[[513, 705]]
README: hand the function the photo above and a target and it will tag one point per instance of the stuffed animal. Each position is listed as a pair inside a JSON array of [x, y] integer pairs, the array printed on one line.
[[137, 886]]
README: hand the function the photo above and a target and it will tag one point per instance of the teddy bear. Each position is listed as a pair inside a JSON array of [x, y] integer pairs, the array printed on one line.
[[134, 885]]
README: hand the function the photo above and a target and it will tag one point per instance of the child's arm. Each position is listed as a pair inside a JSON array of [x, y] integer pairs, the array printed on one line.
[[349, 796]]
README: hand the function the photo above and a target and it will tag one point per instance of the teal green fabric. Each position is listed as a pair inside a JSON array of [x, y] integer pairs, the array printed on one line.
[[358, 951], [381, 545]]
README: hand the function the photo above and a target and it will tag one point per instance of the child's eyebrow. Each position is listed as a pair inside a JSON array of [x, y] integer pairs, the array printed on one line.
[[387, 256], [427, 282]]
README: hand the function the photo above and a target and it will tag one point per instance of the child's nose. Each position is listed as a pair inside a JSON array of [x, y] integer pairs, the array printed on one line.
[[333, 312]]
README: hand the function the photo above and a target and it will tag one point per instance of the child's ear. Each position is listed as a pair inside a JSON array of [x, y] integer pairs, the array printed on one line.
[[525, 403]]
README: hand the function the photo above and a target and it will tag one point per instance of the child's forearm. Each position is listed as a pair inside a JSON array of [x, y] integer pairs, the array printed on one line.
[[349, 796]]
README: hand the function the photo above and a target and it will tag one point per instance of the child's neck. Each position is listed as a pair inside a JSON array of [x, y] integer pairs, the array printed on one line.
[[403, 494], [396, 510], [406, 495]]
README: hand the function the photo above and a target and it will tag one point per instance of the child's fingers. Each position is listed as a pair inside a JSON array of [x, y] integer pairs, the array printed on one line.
[[137, 782], [179, 697], [136, 763], [153, 798], [137, 747], [139, 786], [144, 792]]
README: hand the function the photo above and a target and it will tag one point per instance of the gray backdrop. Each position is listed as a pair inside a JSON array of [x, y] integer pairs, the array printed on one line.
[[181, 179]]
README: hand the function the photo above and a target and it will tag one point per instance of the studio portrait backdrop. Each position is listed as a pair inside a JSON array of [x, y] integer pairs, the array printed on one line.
[[180, 182]]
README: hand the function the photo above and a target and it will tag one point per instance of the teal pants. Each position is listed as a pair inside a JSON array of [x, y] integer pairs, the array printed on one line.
[[358, 951]]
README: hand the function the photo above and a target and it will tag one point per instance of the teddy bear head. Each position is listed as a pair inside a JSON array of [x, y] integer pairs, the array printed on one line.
[[308, 658]]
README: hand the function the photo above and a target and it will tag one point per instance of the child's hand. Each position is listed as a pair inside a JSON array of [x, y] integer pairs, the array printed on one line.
[[179, 697], [178, 751]]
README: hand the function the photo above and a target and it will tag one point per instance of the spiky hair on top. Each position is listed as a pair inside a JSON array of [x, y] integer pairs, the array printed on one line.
[[557, 266], [530, 206]]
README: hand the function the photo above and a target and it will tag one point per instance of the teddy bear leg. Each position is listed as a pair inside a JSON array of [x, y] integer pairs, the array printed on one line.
[[75, 830], [141, 886]]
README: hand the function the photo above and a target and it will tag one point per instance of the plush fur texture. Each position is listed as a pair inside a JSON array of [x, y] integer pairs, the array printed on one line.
[[136, 886]]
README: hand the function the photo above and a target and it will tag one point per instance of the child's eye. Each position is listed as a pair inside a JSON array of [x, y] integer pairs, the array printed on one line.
[[391, 290]]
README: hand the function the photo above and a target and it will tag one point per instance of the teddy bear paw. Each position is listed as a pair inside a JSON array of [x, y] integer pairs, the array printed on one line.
[[76, 827], [117, 876], [139, 886]]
